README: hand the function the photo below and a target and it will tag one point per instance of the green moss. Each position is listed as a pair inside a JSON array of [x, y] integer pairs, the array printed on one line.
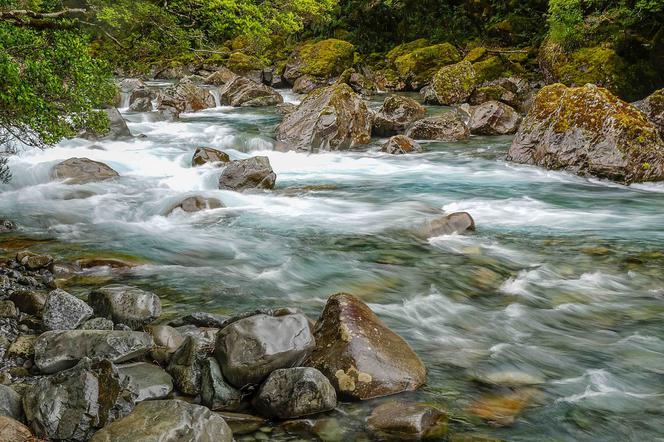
[[453, 84], [489, 69], [421, 64], [405, 48], [475, 55], [490, 93], [326, 58], [239, 62]]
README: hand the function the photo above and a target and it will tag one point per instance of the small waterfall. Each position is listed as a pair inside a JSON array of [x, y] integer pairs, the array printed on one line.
[[217, 96], [124, 99]]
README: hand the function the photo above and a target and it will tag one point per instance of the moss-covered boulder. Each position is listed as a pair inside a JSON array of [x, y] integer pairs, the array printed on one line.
[[491, 68], [453, 84], [590, 131], [653, 107], [246, 65], [325, 59], [389, 80], [405, 48], [419, 66]]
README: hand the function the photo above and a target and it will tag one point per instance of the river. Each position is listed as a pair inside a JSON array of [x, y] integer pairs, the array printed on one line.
[[561, 286]]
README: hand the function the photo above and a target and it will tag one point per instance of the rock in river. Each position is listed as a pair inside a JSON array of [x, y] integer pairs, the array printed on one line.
[[401, 144], [167, 421], [249, 349], [444, 127], [59, 350], [196, 204], [589, 131], [204, 155], [82, 171], [330, 118], [360, 356], [125, 304], [493, 118], [400, 420], [186, 365], [454, 223], [241, 91], [396, 114], [63, 311], [252, 173], [295, 392], [73, 404]]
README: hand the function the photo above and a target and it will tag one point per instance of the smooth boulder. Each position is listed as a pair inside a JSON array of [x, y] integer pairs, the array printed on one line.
[[73, 404], [251, 173], [589, 131], [400, 420], [10, 403], [167, 421], [11, 430], [454, 223], [195, 204], [242, 92], [216, 393], [493, 118], [220, 77], [249, 349], [186, 365], [63, 311], [141, 104], [82, 171], [401, 144], [396, 114], [147, 381], [445, 127], [360, 355], [330, 118], [59, 350], [205, 155], [125, 305], [295, 392]]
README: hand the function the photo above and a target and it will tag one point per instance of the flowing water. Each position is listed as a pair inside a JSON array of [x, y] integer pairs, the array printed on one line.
[[561, 286]]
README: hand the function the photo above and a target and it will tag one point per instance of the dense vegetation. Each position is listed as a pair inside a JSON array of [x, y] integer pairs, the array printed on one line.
[[57, 56]]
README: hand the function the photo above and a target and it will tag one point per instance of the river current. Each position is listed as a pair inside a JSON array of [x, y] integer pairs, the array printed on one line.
[[555, 304]]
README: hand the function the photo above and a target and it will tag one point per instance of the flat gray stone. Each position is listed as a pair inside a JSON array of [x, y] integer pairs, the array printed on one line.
[[148, 381], [63, 311]]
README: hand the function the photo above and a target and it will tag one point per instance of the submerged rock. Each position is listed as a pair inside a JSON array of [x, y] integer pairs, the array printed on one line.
[[454, 223], [444, 127], [401, 144], [360, 356], [82, 171], [63, 311], [216, 393], [59, 350], [589, 131], [243, 423], [33, 261], [252, 173], [196, 204], [249, 349], [396, 114], [242, 92], [204, 155], [502, 409], [295, 392], [400, 420], [493, 118], [73, 404], [331, 118], [167, 421], [147, 381], [125, 304]]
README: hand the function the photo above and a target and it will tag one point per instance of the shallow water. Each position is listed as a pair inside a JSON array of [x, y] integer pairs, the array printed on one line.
[[562, 281]]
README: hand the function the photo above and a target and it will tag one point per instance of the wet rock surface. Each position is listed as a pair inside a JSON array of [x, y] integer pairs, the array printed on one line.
[[205, 155], [146, 381], [445, 127], [454, 223], [242, 92], [493, 118], [125, 304], [196, 204], [252, 173], [396, 114], [82, 171], [12, 430], [216, 393], [401, 144], [63, 311], [10, 403], [400, 420]]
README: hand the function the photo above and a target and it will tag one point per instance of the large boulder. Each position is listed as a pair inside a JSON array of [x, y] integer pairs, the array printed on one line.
[[28, 301], [295, 392], [308, 83], [82, 171], [186, 364], [63, 311], [59, 350], [325, 59], [205, 155], [399, 420], [653, 107], [147, 381], [10, 403], [331, 118], [34, 261], [216, 393], [396, 114], [167, 421], [445, 127], [345, 332], [195, 204], [417, 67], [401, 144], [117, 126], [184, 97], [454, 84], [251, 173], [220, 77], [493, 118], [73, 404], [589, 131], [11, 430], [242, 92], [125, 304], [249, 349]]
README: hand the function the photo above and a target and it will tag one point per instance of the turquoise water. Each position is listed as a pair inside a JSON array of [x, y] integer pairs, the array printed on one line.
[[563, 280]]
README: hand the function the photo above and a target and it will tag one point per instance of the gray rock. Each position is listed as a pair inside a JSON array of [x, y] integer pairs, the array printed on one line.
[[82, 171], [308, 83], [220, 77], [59, 350], [184, 97], [125, 304], [249, 349], [63, 311], [97, 324], [167, 421], [331, 118], [445, 127], [200, 319], [252, 173], [10, 403], [401, 144], [241, 91], [400, 420], [166, 342], [243, 423], [117, 127], [396, 114], [147, 381], [204, 155], [216, 393], [454, 223], [295, 392], [141, 104], [187, 364], [493, 118], [653, 107], [73, 404], [196, 204]]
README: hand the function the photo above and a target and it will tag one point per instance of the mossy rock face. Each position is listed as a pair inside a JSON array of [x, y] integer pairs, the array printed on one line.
[[405, 48], [324, 59], [420, 65], [590, 131], [475, 54], [490, 68], [239, 62], [453, 84], [653, 107], [389, 80]]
